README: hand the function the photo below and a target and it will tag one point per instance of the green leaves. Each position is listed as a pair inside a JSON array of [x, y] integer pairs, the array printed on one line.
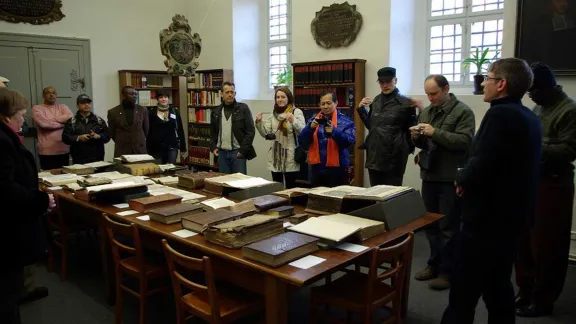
[[480, 59]]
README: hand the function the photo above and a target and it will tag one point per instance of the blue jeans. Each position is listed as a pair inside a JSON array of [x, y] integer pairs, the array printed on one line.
[[228, 162], [166, 156]]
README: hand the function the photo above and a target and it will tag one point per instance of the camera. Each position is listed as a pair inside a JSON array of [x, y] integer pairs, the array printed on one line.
[[321, 121], [270, 137]]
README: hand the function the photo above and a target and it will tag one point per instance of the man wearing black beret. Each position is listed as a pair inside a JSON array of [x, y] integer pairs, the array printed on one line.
[[542, 259]]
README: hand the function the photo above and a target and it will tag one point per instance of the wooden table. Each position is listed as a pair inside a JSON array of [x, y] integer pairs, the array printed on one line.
[[273, 283]]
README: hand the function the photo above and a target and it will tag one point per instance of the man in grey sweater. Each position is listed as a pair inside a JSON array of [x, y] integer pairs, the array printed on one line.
[[444, 132]]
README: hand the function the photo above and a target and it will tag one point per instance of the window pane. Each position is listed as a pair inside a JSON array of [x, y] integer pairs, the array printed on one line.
[[486, 34], [278, 60], [446, 50], [486, 5], [446, 7]]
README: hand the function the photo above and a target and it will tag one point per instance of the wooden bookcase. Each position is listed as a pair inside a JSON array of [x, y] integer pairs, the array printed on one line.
[[204, 92], [347, 79], [147, 82]]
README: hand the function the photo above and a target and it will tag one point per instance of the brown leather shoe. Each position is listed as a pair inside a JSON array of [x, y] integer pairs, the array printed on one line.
[[426, 274], [439, 283]]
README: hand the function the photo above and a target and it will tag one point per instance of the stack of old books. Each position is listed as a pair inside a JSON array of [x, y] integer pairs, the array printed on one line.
[[240, 186], [201, 221], [153, 202], [195, 180], [240, 232], [174, 213]]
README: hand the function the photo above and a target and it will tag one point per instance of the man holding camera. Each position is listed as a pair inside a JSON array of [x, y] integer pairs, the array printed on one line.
[[388, 118], [328, 136], [444, 133]]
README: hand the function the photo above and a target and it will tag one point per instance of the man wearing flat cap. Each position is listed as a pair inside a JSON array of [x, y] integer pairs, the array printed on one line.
[[86, 133], [542, 258], [388, 119], [3, 82]]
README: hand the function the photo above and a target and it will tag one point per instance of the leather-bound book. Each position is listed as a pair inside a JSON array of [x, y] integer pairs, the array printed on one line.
[[143, 205], [139, 169], [266, 202], [282, 211], [195, 180], [79, 169], [201, 221], [298, 218], [240, 232], [111, 193], [244, 207], [281, 249], [174, 213]]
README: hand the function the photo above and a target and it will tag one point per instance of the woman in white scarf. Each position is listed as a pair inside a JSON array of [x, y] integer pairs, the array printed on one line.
[[281, 130]]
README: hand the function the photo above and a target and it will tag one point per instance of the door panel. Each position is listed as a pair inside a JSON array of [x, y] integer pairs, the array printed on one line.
[[61, 70]]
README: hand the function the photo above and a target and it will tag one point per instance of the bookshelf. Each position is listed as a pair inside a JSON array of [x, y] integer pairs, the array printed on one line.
[[203, 93], [147, 83], [347, 79]]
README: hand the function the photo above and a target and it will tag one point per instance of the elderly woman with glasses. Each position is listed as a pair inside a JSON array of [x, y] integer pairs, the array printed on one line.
[[23, 205]]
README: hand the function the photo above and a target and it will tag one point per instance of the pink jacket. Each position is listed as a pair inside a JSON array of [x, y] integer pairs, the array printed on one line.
[[50, 121]]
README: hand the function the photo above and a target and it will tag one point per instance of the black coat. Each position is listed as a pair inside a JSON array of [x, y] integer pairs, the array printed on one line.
[[500, 179], [23, 239], [242, 128], [165, 135], [92, 150]]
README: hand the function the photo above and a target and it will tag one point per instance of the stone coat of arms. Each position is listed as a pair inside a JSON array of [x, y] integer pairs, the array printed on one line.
[[181, 48]]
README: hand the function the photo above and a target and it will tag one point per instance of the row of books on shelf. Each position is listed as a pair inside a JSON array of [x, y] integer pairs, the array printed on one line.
[[206, 80], [324, 74], [199, 115], [204, 98], [200, 155], [147, 98], [200, 134], [310, 97], [139, 80]]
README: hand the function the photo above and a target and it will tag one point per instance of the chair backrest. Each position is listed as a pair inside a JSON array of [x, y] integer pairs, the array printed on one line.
[[177, 260], [397, 254], [118, 235]]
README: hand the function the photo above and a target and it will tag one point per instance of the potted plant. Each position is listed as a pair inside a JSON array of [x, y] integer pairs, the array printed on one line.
[[481, 60], [284, 79]]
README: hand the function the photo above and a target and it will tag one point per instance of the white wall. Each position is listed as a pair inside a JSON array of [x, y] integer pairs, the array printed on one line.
[[122, 34]]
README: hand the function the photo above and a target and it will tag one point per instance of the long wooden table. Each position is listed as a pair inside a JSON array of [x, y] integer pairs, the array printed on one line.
[[273, 283]]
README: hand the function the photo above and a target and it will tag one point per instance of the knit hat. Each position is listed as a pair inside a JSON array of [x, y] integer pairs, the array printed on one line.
[[543, 76]]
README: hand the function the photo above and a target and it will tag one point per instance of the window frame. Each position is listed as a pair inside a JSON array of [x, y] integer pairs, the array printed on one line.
[[278, 42], [466, 19]]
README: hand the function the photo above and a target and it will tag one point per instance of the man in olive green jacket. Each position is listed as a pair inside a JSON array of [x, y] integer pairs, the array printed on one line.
[[444, 134], [542, 258]]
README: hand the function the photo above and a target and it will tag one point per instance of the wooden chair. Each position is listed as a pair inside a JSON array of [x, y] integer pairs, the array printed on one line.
[[225, 305], [58, 230], [135, 266], [364, 293]]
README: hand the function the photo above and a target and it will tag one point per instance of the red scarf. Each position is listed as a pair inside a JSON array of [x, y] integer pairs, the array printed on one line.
[[333, 157], [16, 133]]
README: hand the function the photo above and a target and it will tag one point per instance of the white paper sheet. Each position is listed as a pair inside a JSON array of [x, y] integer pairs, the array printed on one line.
[[144, 218], [184, 233], [126, 213], [121, 206], [287, 224], [350, 247], [307, 262], [55, 188], [248, 183]]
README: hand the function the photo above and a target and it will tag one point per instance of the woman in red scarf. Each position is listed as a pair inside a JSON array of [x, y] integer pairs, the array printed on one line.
[[281, 131]]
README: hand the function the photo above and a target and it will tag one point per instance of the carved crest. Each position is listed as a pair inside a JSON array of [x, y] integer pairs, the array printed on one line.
[[39, 12], [336, 25], [181, 48]]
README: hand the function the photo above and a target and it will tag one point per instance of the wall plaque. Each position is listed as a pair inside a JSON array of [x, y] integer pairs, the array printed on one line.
[[336, 25], [36, 12], [181, 48]]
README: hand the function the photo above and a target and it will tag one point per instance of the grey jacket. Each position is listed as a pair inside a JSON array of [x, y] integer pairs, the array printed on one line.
[[454, 125]]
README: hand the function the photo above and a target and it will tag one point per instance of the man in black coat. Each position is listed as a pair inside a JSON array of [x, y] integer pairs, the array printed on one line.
[[232, 130], [498, 188]]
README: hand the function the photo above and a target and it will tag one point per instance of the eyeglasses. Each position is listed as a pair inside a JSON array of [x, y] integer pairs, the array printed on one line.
[[486, 78]]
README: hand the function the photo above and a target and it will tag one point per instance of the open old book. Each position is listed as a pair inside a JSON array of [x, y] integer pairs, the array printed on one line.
[[348, 198], [237, 181], [136, 158], [339, 227]]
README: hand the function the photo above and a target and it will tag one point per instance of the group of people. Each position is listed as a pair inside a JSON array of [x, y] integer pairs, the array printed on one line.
[[506, 190], [134, 129]]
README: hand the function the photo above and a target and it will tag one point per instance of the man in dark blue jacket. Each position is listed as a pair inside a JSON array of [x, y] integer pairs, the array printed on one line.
[[328, 136], [498, 187]]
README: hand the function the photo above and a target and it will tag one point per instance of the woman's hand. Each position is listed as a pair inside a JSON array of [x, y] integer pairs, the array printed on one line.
[[259, 117], [290, 117]]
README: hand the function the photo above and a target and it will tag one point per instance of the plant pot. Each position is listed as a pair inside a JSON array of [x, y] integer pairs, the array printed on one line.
[[478, 88]]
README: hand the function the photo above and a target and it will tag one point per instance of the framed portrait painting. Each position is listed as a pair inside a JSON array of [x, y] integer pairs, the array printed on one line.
[[546, 32]]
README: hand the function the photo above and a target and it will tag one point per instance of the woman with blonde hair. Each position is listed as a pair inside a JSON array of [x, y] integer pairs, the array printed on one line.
[[23, 205], [281, 130]]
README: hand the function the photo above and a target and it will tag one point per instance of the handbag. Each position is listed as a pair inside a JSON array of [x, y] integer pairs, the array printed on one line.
[[300, 154]]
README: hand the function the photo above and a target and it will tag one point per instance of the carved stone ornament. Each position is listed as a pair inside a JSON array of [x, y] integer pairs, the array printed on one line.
[[181, 48], [36, 12], [336, 25]]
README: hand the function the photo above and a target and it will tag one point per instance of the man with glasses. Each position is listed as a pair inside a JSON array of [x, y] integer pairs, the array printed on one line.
[[498, 189], [388, 118], [542, 261]]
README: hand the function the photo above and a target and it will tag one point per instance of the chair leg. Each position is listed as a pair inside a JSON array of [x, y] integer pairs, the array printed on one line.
[[50, 255], [143, 299], [119, 300], [181, 315], [367, 316], [64, 255]]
